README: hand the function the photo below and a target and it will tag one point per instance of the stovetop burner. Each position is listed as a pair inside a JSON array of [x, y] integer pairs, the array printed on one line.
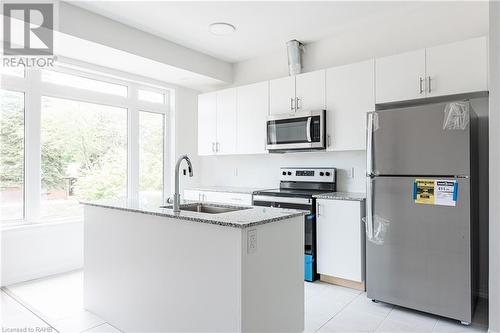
[[303, 182]]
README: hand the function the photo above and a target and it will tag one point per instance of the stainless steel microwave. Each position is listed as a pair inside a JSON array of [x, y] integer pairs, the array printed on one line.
[[303, 130]]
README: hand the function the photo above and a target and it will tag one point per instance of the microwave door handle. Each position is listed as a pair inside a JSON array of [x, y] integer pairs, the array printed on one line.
[[308, 130]]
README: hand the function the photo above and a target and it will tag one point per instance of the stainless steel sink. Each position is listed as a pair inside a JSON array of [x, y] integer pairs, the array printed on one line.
[[207, 208]]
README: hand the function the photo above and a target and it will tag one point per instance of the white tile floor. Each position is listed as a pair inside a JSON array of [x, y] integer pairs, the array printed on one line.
[[57, 303]]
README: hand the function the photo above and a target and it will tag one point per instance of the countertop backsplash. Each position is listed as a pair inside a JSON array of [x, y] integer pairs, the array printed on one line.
[[262, 171]]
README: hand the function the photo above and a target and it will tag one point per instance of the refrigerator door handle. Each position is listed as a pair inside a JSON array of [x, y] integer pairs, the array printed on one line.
[[369, 208], [369, 143]]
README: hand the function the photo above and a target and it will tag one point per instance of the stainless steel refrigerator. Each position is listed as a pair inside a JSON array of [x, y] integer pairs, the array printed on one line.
[[419, 240]]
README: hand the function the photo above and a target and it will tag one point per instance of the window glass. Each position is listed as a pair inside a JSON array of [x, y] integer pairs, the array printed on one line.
[[13, 71], [84, 155], [83, 83], [151, 96], [151, 134], [11, 155]]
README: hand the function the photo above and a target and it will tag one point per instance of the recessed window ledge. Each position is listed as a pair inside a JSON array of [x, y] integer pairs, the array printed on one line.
[[14, 226]]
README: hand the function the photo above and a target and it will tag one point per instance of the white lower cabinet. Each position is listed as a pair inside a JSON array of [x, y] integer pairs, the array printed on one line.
[[243, 199], [340, 240]]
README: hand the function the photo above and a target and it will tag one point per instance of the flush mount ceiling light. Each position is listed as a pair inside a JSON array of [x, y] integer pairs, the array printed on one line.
[[221, 28]]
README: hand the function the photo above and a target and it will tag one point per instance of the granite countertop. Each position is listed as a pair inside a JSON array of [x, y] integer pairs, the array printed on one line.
[[243, 218], [355, 196], [227, 189]]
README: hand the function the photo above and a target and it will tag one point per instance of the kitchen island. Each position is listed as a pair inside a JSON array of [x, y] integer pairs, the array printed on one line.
[[207, 268]]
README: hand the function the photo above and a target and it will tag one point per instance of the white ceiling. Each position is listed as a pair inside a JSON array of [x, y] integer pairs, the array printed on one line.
[[261, 26]]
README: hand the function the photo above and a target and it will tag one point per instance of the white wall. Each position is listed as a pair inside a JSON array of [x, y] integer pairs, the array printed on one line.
[[409, 29], [36, 251], [494, 131], [184, 136]]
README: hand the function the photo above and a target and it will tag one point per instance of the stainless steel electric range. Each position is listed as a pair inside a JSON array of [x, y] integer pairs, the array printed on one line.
[[296, 191]]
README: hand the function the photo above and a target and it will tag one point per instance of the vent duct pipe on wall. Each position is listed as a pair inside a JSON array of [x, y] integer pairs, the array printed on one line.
[[294, 50]]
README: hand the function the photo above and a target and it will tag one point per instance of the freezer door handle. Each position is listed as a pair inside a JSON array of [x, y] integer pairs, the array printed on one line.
[[369, 143]]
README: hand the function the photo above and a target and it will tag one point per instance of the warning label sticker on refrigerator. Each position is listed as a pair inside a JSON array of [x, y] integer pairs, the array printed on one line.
[[435, 192], [423, 191]]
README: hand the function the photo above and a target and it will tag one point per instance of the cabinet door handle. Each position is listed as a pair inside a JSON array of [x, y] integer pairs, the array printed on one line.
[[328, 140], [217, 144], [429, 84], [297, 103], [213, 147], [319, 210], [421, 85], [291, 104]]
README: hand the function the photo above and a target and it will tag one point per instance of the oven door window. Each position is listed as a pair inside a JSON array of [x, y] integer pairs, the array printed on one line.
[[309, 222], [287, 131]]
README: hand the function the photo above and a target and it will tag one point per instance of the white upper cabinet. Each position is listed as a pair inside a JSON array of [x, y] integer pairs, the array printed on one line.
[[207, 123], [233, 121], [350, 94], [226, 121], [253, 109], [310, 91], [297, 93], [457, 68], [217, 122], [282, 95], [400, 77]]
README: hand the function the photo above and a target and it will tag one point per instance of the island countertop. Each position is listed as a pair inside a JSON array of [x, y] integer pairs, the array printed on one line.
[[243, 218]]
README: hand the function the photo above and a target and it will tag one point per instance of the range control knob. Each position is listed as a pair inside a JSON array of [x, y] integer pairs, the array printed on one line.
[[321, 173], [327, 174], [284, 173], [289, 173]]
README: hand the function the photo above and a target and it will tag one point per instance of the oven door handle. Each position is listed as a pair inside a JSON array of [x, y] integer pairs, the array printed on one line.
[[308, 129], [290, 200]]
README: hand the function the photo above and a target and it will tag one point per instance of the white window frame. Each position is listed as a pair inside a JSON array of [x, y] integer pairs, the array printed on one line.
[[34, 88]]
